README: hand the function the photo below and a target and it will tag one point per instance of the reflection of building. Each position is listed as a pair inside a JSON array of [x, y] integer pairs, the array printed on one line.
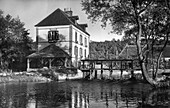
[[79, 100], [31, 103], [74, 38]]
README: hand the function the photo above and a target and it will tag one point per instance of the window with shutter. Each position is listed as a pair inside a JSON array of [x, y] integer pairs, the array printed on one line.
[[85, 39], [81, 40], [76, 37], [75, 50], [85, 53], [81, 52], [53, 36]]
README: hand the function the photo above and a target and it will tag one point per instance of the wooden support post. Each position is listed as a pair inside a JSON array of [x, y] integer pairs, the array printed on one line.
[[28, 64], [101, 70], [111, 69], [42, 63], [95, 71], [91, 70], [65, 62], [94, 68], [132, 71], [83, 68], [83, 65], [95, 74], [90, 73], [50, 61], [121, 69]]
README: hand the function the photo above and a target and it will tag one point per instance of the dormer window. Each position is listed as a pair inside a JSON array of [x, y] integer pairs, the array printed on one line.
[[53, 36]]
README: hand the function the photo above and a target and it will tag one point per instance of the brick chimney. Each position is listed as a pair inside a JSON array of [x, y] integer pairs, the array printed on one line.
[[69, 12]]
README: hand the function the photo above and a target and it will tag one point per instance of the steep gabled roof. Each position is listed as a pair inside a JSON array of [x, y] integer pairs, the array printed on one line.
[[57, 18], [51, 51]]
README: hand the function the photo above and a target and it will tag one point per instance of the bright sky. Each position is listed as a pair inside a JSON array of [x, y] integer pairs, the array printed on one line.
[[32, 12]]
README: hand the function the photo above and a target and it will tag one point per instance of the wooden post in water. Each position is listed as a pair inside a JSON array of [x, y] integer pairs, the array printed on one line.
[[95, 75], [28, 64], [83, 67], [50, 63], [95, 71], [132, 71], [121, 69], [101, 70], [91, 70], [65, 62], [111, 69]]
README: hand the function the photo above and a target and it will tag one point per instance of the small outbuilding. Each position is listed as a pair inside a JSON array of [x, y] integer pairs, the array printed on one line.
[[50, 56]]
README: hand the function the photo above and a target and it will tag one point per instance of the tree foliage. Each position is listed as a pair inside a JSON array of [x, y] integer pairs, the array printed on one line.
[[15, 44], [146, 20], [106, 49]]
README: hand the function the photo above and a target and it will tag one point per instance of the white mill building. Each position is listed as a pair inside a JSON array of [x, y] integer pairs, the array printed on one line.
[[71, 44]]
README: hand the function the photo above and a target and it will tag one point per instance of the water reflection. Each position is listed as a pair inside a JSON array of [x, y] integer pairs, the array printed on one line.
[[79, 100], [82, 94]]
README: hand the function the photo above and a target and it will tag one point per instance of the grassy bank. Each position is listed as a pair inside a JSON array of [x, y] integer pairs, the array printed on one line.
[[22, 77]]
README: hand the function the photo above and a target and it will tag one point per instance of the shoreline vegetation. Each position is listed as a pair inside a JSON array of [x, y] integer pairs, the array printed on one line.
[[48, 75], [62, 74], [22, 77], [40, 76], [30, 78], [54, 74]]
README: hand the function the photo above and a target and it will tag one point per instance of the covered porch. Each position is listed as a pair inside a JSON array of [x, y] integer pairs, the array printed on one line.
[[50, 56]]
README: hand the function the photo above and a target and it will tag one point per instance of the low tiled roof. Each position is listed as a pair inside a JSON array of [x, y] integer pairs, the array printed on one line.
[[58, 17], [129, 51], [51, 51]]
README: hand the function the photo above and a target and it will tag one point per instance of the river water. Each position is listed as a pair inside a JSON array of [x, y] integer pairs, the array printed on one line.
[[82, 94]]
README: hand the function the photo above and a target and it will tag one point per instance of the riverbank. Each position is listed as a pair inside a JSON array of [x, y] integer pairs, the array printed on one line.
[[47, 76], [22, 77]]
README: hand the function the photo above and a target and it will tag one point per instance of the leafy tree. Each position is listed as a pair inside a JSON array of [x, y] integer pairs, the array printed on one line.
[[138, 19], [15, 44], [105, 50]]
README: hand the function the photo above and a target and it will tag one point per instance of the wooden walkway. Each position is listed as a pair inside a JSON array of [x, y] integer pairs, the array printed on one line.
[[90, 66]]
